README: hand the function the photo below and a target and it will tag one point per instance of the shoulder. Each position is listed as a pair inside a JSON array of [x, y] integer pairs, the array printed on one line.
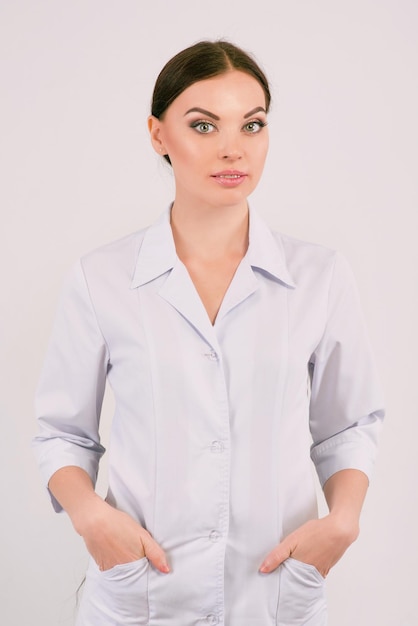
[[317, 267], [119, 249], [114, 259], [300, 249], [305, 259]]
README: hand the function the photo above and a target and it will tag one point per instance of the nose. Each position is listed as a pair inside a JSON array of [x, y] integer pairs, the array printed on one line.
[[230, 147]]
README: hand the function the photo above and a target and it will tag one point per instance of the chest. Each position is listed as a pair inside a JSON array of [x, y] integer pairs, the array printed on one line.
[[211, 280]]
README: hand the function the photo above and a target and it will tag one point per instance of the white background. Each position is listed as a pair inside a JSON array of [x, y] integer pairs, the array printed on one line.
[[77, 171]]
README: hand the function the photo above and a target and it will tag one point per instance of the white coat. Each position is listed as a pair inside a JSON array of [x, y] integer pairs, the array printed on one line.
[[214, 425]]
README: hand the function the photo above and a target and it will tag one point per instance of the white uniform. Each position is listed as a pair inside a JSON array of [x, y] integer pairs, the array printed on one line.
[[210, 443]]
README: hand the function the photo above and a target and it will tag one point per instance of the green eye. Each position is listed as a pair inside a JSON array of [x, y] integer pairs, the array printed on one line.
[[203, 127], [254, 127]]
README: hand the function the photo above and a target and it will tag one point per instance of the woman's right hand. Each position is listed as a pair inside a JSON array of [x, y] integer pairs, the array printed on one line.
[[113, 537]]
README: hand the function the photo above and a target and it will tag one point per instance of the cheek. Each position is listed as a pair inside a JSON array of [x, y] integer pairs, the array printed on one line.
[[183, 147], [260, 154]]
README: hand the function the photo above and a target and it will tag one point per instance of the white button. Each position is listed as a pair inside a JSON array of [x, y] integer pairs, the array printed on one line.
[[214, 536], [212, 356], [217, 446], [212, 619]]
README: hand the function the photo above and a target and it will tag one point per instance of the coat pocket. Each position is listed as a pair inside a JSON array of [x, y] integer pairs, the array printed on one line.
[[115, 597], [302, 599]]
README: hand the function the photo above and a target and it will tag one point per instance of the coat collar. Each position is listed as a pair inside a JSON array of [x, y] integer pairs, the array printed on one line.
[[266, 252], [157, 254]]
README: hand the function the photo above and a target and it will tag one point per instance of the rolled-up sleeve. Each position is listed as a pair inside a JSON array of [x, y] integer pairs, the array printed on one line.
[[71, 387], [346, 406]]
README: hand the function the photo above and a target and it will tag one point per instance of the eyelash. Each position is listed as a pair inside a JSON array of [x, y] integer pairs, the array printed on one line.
[[198, 123]]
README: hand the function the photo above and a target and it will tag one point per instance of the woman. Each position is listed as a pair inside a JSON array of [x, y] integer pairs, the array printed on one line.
[[225, 344]]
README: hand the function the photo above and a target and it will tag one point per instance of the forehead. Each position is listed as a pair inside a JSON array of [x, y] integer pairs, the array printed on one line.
[[232, 90]]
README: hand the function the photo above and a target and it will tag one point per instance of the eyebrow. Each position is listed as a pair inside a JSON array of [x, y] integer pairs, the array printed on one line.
[[216, 117], [207, 113], [253, 111]]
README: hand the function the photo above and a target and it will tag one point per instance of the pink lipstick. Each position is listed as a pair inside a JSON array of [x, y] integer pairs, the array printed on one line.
[[229, 178]]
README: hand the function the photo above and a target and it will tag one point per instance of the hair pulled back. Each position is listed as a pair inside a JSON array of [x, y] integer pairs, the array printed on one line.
[[201, 61]]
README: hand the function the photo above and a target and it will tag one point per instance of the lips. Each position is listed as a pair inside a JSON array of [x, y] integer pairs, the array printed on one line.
[[230, 178], [229, 174]]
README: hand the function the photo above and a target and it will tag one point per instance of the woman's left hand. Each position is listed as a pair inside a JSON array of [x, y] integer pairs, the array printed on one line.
[[320, 542]]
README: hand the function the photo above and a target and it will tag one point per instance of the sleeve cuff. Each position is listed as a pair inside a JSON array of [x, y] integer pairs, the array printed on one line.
[[49, 463], [354, 448]]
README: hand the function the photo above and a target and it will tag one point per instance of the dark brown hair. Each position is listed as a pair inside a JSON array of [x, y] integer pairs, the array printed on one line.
[[201, 61]]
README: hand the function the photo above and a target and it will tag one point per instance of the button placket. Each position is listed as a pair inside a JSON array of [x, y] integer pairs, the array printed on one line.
[[219, 448]]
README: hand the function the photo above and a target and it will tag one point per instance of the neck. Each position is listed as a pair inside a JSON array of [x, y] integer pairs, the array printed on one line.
[[210, 233]]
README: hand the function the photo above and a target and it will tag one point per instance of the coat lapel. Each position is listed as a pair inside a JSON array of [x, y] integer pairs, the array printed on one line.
[[243, 285], [157, 256], [179, 291]]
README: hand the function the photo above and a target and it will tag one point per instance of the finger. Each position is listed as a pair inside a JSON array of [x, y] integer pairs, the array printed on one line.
[[275, 558], [155, 554]]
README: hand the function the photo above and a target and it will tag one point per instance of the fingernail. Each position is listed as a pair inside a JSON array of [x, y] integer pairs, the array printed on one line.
[[264, 568], [165, 568]]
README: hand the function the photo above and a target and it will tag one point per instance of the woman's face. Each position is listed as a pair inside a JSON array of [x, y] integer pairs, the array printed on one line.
[[214, 133]]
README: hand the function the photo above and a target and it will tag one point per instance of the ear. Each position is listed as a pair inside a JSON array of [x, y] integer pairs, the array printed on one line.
[[156, 134]]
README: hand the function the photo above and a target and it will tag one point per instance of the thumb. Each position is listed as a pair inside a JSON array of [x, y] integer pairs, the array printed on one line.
[[154, 553], [276, 557]]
